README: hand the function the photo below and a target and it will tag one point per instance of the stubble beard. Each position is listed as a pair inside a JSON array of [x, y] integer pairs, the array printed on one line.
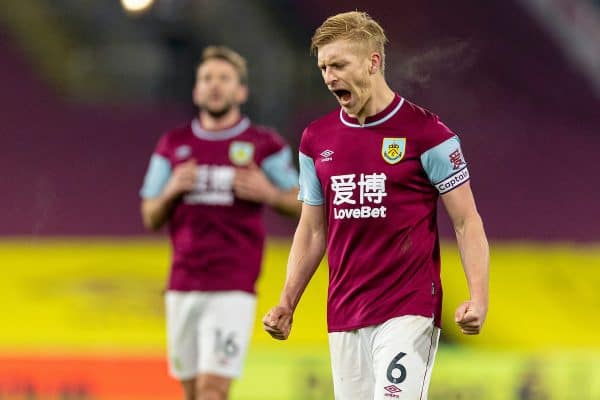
[[218, 113]]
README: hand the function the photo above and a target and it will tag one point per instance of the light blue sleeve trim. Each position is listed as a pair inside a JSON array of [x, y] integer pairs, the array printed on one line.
[[157, 176], [437, 161], [311, 192], [278, 168]]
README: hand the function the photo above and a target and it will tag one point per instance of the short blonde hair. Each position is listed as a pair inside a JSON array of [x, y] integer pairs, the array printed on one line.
[[355, 26], [226, 54]]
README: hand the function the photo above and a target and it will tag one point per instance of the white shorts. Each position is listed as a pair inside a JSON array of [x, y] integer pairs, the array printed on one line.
[[208, 332], [392, 360]]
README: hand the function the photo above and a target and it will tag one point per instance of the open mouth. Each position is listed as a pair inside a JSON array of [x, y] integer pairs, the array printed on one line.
[[343, 95]]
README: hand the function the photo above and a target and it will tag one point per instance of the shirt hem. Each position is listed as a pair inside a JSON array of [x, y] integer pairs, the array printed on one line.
[[345, 328], [206, 290]]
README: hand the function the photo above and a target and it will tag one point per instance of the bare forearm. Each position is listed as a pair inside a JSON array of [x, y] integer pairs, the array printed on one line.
[[474, 252], [156, 211], [306, 253], [286, 202]]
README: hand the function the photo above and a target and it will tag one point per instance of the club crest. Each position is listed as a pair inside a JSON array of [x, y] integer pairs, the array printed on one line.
[[241, 153], [393, 149]]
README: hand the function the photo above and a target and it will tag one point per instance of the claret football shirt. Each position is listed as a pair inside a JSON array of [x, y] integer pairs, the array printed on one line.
[[217, 239], [379, 183]]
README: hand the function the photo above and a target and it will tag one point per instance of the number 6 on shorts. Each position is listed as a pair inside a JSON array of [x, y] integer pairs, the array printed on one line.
[[396, 366]]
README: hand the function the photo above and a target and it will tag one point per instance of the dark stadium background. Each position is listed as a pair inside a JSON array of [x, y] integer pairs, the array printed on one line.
[[87, 88]]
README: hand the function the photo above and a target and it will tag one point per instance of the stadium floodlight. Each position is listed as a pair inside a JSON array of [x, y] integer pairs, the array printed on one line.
[[136, 6]]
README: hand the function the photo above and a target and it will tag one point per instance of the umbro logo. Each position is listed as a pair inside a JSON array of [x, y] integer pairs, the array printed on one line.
[[392, 391], [326, 154], [183, 151]]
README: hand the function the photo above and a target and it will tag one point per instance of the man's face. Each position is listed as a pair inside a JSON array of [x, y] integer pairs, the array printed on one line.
[[345, 70], [218, 88]]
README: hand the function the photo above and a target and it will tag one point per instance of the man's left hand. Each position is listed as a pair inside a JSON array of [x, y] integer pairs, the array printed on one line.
[[251, 183], [469, 316]]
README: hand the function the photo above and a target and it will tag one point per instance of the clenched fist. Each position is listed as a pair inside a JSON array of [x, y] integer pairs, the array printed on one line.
[[278, 322]]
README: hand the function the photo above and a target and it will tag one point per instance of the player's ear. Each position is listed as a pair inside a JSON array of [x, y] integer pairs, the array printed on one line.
[[375, 63], [242, 94]]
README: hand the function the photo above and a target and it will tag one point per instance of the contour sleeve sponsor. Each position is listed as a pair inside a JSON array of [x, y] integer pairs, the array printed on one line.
[[159, 172], [445, 165], [278, 168], [311, 192]]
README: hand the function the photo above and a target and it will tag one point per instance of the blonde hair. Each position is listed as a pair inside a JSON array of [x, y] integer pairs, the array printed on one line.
[[355, 26], [226, 54]]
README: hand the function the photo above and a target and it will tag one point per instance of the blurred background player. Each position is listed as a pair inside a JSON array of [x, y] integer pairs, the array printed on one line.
[[370, 177], [209, 181]]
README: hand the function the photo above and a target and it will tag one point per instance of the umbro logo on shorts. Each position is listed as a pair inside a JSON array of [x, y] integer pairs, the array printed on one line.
[[392, 390]]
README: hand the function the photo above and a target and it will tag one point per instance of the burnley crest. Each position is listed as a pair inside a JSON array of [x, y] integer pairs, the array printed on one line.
[[241, 153], [393, 149]]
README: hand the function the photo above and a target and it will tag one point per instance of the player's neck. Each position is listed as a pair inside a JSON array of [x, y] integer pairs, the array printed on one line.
[[211, 123], [381, 97]]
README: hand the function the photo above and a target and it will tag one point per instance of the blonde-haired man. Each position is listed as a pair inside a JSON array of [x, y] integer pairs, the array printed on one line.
[[209, 180], [371, 174]]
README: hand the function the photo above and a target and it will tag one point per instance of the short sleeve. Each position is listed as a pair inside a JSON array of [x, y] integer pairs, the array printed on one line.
[[157, 176], [445, 165], [311, 192], [163, 146], [279, 169]]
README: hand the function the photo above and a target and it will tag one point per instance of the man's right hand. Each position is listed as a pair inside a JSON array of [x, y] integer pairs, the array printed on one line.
[[278, 322], [183, 179]]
